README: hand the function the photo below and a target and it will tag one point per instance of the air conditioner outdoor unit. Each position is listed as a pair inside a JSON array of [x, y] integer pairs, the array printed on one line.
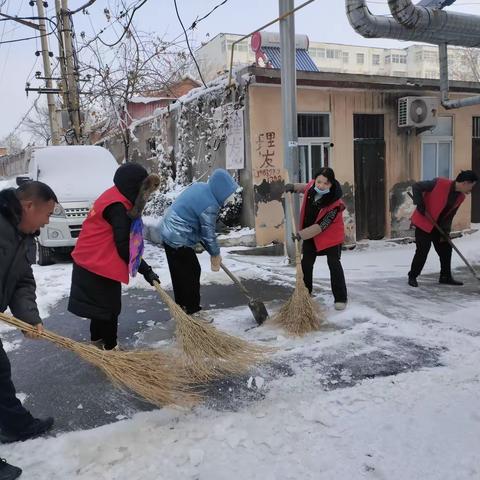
[[417, 111]]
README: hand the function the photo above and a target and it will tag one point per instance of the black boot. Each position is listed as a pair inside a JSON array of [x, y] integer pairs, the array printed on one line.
[[412, 281], [38, 427], [7, 471], [448, 280]]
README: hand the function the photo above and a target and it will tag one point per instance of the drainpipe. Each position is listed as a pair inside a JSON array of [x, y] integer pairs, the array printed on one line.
[[444, 87]]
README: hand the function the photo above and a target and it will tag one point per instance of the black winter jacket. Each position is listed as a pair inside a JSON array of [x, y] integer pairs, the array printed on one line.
[[17, 285]]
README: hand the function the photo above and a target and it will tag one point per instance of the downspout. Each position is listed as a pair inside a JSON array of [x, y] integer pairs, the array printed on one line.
[[444, 87]]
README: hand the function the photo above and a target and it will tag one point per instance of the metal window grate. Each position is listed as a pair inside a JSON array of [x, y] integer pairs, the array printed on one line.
[[368, 126], [313, 125], [476, 127]]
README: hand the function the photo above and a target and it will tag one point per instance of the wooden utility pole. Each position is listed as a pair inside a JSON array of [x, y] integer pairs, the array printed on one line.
[[70, 76], [52, 108]]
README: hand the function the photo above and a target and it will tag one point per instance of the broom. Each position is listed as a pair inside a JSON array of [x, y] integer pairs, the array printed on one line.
[[210, 352], [159, 378], [300, 314]]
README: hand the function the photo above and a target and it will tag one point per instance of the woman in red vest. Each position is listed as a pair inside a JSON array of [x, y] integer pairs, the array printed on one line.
[[441, 198], [321, 229], [102, 254]]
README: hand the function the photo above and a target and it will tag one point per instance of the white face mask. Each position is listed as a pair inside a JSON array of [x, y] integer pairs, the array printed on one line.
[[229, 199]]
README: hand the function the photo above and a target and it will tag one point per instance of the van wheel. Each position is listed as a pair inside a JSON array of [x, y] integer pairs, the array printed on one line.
[[44, 256]]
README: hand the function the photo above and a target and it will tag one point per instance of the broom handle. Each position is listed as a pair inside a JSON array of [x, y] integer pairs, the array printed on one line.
[[449, 240], [26, 327], [294, 225]]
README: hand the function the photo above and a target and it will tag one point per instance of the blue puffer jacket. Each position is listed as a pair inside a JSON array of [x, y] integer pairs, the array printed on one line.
[[192, 217]]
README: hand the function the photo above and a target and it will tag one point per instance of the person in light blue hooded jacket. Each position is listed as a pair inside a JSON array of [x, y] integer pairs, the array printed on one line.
[[191, 220]]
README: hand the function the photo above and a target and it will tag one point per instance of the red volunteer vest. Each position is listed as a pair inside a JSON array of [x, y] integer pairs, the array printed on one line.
[[435, 202], [95, 249], [335, 233]]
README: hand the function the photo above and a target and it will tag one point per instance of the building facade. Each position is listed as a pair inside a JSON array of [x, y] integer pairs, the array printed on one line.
[[416, 61]]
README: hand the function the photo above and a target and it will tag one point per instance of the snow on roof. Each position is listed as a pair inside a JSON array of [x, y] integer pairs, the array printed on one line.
[[139, 99]]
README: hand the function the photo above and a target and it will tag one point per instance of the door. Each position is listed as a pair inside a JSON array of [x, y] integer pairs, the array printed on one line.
[[369, 164]]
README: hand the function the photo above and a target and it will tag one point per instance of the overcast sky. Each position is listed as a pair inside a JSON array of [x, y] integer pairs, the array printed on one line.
[[323, 20]]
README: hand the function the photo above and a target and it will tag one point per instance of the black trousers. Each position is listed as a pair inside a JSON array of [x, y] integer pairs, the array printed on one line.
[[424, 241], [13, 416], [105, 330], [185, 273], [337, 277]]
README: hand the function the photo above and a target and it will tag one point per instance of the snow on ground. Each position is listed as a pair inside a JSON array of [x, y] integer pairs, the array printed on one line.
[[419, 424]]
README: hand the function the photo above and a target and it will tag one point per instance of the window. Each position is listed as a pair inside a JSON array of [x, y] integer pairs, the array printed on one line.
[[313, 125], [437, 146], [314, 143], [375, 59], [333, 53], [430, 56], [432, 74], [346, 57], [399, 58], [387, 59], [360, 58], [419, 56]]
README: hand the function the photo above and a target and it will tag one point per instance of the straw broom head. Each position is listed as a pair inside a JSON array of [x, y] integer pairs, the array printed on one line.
[[158, 377], [300, 315], [210, 352]]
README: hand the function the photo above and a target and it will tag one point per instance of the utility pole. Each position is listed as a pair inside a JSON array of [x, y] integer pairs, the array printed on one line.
[[289, 109], [52, 108], [68, 69]]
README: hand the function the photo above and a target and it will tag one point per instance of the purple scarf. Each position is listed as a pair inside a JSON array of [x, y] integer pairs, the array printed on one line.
[[136, 246]]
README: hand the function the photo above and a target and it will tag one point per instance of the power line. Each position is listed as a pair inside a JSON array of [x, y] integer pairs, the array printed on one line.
[[188, 44]]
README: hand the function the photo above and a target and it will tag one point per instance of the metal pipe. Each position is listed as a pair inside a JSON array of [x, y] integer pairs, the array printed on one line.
[[376, 26]]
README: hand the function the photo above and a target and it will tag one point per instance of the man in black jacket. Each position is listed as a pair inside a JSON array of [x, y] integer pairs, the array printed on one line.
[[23, 211]]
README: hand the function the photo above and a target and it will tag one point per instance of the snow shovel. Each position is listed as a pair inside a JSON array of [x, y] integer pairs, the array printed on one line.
[[449, 240], [258, 309]]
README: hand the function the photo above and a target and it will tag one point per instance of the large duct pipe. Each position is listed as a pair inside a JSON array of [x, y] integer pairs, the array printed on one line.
[[375, 26], [456, 28]]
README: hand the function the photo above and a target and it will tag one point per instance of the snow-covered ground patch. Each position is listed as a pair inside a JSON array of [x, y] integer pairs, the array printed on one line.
[[389, 390]]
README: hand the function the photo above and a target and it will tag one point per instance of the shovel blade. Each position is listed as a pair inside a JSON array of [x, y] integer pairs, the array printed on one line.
[[259, 311]]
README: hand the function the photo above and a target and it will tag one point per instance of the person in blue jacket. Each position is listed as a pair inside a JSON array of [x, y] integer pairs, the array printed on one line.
[[191, 220]]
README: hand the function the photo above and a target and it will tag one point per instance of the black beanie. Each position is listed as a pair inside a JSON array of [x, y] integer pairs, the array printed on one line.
[[128, 179]]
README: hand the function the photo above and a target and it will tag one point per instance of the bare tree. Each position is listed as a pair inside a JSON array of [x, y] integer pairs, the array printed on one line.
[[13, 144], [139, 64], [464, 64], [37, 124]]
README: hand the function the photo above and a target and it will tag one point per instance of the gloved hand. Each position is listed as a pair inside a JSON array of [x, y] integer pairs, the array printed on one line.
[[215, 261], [289, 187], [150, 276], [296, 237]]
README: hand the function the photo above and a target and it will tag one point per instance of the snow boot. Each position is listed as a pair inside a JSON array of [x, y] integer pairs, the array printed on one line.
[[449, 280], [201, 317], [340, 305], [412, 281], [98, 343], [7, 471], [38, 427]]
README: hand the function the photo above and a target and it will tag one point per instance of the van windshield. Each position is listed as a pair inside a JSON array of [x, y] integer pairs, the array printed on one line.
[[76, 173]]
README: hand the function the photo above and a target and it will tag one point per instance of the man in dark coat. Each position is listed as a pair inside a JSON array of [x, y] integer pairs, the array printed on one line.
[[23, 211], [438, 199]]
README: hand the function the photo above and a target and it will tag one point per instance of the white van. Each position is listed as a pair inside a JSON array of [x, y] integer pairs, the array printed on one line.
[[78, 174]]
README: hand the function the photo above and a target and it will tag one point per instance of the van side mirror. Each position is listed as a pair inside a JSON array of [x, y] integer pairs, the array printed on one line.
[[22, 179]]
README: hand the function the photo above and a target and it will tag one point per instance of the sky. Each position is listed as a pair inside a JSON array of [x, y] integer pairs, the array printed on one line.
[[323, 20]]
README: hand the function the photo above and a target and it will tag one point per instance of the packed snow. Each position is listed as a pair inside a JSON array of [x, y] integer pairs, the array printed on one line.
[[317, 422]]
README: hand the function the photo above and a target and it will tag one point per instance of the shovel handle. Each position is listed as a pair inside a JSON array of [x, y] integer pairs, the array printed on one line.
[[294, 225], [235, 280]]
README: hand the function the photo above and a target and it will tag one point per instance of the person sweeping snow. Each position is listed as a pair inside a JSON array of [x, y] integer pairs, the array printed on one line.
[[190, 220], [108, 251], [321, 229], [440, 199]]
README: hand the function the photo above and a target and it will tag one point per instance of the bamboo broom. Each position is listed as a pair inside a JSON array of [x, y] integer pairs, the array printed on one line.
[[300, 315], [210, 352], [158, 377]]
